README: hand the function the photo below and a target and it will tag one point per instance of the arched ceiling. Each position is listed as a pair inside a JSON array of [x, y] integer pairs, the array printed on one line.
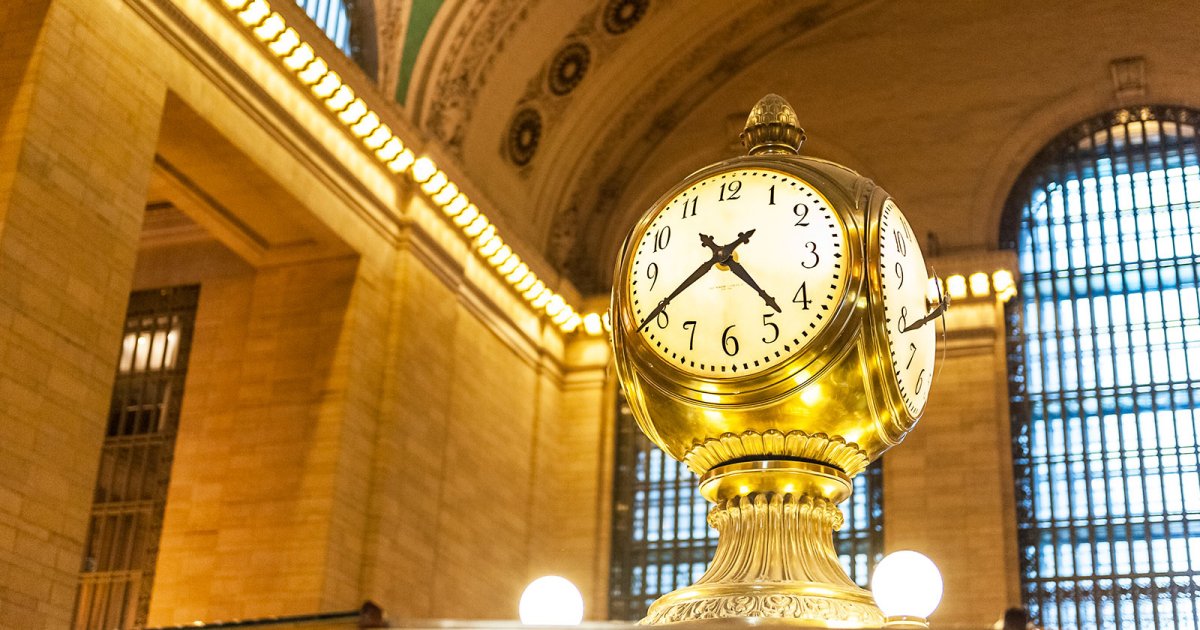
[[574, 116]]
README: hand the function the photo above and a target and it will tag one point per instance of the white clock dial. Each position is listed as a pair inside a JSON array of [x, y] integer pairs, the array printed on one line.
[[714, 314], [911, 337]]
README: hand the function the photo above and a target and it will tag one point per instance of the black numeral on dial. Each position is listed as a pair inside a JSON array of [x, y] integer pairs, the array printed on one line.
[[729, 343], [662, 238], [731, 190]]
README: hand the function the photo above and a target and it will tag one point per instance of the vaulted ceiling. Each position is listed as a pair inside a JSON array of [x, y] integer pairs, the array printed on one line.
[[574, 116]]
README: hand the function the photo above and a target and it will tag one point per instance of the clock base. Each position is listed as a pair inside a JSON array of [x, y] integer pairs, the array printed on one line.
[[775, 561]]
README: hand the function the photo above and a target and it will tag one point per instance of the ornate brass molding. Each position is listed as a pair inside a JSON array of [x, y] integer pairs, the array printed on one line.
[[835, 450]]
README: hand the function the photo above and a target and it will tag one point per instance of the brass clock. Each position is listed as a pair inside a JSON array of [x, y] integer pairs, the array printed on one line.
[[770, 330]]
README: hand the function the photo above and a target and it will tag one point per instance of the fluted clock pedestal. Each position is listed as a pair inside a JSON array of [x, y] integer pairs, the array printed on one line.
[[775, 557]]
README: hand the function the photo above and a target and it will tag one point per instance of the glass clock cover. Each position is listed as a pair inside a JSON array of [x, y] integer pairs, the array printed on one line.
[[737, 273]]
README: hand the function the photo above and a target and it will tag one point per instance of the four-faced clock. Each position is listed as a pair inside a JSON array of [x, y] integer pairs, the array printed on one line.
[[737, 273], [910, 332]]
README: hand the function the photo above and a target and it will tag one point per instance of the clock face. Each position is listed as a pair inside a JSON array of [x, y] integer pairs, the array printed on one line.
[[911, 341], [737, 273]]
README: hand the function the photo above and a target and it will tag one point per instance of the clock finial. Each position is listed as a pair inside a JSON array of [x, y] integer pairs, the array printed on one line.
[[772, 128]]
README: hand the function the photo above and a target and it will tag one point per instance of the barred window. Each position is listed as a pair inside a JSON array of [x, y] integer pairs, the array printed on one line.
[[135, 463], [333, 18], [1104, 358], [661, 539]]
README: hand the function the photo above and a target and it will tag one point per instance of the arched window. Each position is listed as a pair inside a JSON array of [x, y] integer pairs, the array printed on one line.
[[661, 540], [333, 18], [1105, 373]]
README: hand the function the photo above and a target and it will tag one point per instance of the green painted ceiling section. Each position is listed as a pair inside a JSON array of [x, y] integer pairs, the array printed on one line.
[[420, 17]]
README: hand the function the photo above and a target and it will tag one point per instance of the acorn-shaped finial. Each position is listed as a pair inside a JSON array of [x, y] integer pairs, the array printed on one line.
[[772, 128]]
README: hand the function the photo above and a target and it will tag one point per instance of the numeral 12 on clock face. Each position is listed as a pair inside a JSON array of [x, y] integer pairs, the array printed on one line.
[[737, 273], [911, 337]]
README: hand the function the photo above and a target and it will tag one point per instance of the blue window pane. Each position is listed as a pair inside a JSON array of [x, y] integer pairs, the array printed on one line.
[[331, 16], [1105, 364]]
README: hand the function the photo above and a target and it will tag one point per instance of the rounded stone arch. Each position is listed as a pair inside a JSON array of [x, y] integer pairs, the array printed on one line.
[[1052, 153], [1040, 126]]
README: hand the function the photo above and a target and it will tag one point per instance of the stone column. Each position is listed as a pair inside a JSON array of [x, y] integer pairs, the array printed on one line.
[[79, 123]]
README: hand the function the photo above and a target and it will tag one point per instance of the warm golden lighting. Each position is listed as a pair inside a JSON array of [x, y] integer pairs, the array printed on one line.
[[979, 284], [518, 276], [446, 194], [468, 215], [391, 148], [1003, 284], [592, 324], [366, 126], [477, 226], [423, 169], [522, 280], [301, 57], [328, 84], [491, 245], [435, 184], [285, 43], [363, 123], [535, 289], [554, 305], [314, 71], [933, 293], [254, 13], [402, 161], [506, 268], [503, 253], [956, 286], [270, 28]]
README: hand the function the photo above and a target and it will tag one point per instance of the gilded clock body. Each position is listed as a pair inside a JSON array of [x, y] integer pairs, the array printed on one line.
[[770, 329], [794, 361]]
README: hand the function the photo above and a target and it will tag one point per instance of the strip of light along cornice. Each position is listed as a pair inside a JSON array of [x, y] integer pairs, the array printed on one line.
[[352, 111]]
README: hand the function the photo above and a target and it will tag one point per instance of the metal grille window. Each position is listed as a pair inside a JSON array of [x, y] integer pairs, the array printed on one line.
[[1105, 373], [661, 538], [131, 488], [333, 18]]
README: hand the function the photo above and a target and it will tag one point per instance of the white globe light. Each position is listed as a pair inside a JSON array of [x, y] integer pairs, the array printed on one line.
[[907, 584], [551, 601]]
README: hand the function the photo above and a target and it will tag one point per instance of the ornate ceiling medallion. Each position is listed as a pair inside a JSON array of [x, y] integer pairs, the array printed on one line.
[[568, 68], [622, 15], [523, 135]]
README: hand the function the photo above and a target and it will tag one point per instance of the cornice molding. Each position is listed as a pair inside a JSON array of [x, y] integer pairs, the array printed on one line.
[[224, 73]]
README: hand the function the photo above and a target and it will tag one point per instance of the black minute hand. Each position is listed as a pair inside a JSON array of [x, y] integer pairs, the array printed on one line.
[[719, 254], [740, 271]]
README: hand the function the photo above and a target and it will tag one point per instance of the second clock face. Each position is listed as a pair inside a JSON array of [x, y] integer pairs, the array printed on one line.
[[737, 273], [911, 337]]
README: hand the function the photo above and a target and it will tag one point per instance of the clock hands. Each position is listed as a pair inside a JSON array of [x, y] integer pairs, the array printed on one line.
[[720, 254], [740, 271], [937, 310]]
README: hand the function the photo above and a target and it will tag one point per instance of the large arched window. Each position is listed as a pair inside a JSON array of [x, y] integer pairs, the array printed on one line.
[[661, 538], [1105, 373]]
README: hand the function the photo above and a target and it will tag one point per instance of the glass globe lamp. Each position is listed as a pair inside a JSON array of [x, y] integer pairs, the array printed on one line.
[[551, 601], [908, 588]]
